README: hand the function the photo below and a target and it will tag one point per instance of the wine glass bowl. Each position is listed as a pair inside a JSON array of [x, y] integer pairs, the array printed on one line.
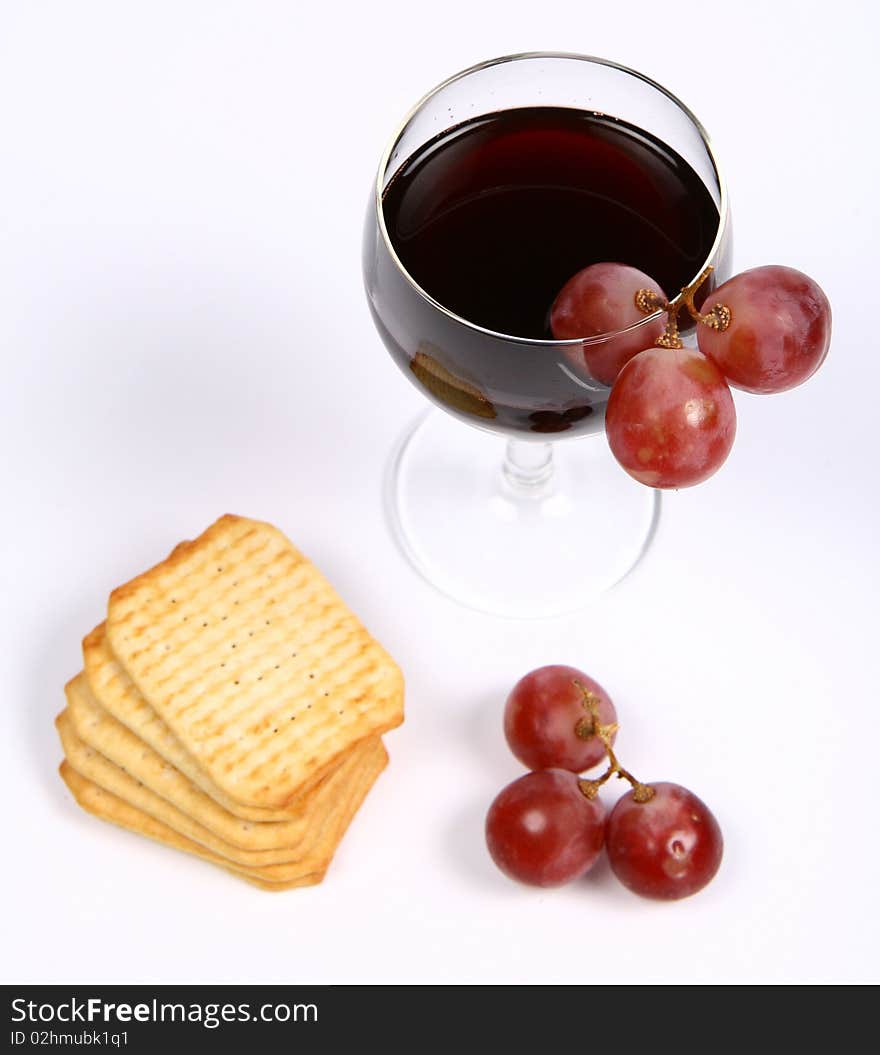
[[500, 185]]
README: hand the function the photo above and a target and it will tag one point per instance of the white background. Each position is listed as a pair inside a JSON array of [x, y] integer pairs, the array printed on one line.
[[183, 333]]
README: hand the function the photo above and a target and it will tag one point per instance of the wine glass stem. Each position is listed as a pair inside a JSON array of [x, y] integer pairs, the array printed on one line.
[[528, 468]]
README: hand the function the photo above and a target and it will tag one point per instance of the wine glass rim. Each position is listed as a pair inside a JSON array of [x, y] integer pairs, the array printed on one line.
[[517, 57]]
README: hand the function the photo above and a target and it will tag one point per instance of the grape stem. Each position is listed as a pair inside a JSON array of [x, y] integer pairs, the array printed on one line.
[[590, 788], [717, 318]]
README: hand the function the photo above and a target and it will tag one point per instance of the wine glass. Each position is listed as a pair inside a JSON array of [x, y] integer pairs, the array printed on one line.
[[500, 184]]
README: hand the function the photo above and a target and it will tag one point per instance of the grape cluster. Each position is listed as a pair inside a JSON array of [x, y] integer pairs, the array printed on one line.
[[670, 418], [549, 826]]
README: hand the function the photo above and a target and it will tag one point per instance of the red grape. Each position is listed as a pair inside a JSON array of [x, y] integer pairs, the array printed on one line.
[[598, 300], [668, 847], [547, 724], [670, 419], [779, 331], [543, 830]]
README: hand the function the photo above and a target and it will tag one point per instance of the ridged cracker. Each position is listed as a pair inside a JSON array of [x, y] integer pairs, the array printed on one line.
[[252, 659], [100, 731], [102, 804], [114, 691], [315, 851], [448, 387]]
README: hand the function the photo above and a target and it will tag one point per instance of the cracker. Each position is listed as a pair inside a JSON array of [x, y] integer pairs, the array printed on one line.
[[254, 662], [315, 851], [101, 803], [448, 387], [99, 730], [113, 690]]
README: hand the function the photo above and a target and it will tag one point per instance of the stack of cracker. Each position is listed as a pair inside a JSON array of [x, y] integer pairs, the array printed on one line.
[[231, 706]]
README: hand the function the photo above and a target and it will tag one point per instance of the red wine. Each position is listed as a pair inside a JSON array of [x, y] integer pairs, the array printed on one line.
[[492, 217]]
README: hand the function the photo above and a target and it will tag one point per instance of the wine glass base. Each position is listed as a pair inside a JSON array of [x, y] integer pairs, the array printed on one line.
[[500, 549]]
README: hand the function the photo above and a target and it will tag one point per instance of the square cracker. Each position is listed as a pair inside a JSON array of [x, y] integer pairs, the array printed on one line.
[[248, 654], [313, 860], [101, 803], [114, 692], [116, 743]]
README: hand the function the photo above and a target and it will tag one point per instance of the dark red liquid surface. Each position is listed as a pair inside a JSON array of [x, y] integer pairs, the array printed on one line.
[[492, 218]]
